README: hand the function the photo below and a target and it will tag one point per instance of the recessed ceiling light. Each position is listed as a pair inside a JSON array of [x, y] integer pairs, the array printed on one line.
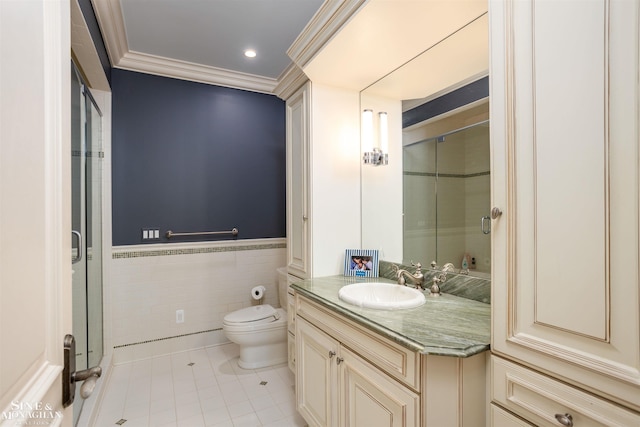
[[250, 53]]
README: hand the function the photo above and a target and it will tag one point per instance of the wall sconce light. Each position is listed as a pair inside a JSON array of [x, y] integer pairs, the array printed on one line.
[[375, 155]]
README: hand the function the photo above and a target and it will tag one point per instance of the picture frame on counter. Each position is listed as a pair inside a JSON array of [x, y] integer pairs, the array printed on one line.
[[361, 262]]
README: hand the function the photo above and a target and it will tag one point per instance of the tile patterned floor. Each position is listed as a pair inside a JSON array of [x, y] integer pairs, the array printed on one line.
[[199, 388]]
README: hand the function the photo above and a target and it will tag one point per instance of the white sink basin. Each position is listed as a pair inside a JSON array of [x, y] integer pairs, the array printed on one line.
[[383, 296]]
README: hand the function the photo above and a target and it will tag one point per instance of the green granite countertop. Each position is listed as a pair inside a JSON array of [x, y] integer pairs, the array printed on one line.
[[446, 325]]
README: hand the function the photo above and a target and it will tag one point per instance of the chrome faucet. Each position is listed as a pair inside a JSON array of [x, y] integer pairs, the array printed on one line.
[[439, 278], [416, 278]]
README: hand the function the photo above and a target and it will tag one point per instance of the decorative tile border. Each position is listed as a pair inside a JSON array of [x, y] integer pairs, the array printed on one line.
[[166, 338], [138, 253], [80, 153], [446, 175]]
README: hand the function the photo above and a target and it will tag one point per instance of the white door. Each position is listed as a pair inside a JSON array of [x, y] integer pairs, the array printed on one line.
[[35, 225]]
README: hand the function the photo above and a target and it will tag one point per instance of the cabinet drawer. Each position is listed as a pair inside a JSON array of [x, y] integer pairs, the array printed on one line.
[[397, 361], [538, 398]]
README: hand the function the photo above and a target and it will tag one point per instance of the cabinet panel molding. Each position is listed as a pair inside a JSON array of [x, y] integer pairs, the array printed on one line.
[[565, 172], [554, 127], [576, 206]]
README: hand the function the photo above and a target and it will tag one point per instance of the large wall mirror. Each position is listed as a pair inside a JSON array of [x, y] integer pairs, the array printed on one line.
[[446, 190], [429, 202]]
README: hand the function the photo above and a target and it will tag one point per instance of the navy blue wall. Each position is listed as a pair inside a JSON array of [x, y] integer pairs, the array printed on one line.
[[195, 157], [447, 102]]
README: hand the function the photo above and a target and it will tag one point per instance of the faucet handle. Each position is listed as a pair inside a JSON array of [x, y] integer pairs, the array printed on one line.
[[418, 266], [435, 287], [434, 265]]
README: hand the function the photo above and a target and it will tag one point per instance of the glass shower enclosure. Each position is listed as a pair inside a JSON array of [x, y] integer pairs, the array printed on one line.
[[86, 180], [446, 182]]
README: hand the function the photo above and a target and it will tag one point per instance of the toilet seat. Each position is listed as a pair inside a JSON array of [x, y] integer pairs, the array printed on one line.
[[256, 315]]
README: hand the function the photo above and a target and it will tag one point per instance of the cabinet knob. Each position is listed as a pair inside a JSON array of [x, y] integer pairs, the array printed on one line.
[[565, 420], [339, 360], [331, 354], [495, 213]]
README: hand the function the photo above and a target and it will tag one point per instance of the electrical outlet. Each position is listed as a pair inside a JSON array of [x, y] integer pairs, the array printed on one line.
[[179, 316]]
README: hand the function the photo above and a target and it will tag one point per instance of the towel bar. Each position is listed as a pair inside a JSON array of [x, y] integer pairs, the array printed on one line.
[[171, 234]]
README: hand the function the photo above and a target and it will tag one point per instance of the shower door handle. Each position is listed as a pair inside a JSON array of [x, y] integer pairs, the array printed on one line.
[[78, 257], [70, 377], [485, 224]]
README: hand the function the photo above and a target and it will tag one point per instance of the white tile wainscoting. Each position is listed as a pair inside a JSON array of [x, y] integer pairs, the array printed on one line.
[[149, 283]]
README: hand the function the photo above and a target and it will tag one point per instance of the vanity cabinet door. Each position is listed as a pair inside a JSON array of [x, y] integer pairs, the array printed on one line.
[[337, 387], [298, 111], [565, 101], [370, 398], [316, 375]]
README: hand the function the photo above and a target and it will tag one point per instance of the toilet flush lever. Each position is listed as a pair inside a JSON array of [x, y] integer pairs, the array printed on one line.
[[70, 377]]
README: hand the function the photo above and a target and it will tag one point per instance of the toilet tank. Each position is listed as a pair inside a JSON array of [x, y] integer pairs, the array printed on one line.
[[282, 287]]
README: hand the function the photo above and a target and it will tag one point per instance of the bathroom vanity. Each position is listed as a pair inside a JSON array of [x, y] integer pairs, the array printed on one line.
[[423, 366]]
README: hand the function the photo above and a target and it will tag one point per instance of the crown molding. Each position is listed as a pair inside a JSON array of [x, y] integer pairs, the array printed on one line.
[[84, 51], [291, 79], [160, 66], [328, 21], [110, 20], [109, 16]]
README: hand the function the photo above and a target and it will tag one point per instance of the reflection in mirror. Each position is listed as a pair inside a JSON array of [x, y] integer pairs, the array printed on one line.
[[442, 90], [446, 185]]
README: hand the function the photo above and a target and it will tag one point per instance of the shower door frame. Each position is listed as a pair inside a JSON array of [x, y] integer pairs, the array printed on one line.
[[86, 156]]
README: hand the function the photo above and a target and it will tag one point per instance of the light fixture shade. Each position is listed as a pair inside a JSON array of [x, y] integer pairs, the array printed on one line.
[[367, 131], [371, 152]]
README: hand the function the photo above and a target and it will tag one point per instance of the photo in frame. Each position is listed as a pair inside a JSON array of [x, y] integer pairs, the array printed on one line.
[[361, 262]]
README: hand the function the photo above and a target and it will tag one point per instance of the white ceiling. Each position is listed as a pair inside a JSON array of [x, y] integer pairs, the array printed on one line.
[[204, 40]]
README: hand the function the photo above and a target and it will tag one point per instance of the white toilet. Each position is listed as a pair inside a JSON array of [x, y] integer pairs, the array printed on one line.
[[261, 333]]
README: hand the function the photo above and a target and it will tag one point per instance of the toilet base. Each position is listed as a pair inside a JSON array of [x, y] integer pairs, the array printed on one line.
[[254, 357]]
